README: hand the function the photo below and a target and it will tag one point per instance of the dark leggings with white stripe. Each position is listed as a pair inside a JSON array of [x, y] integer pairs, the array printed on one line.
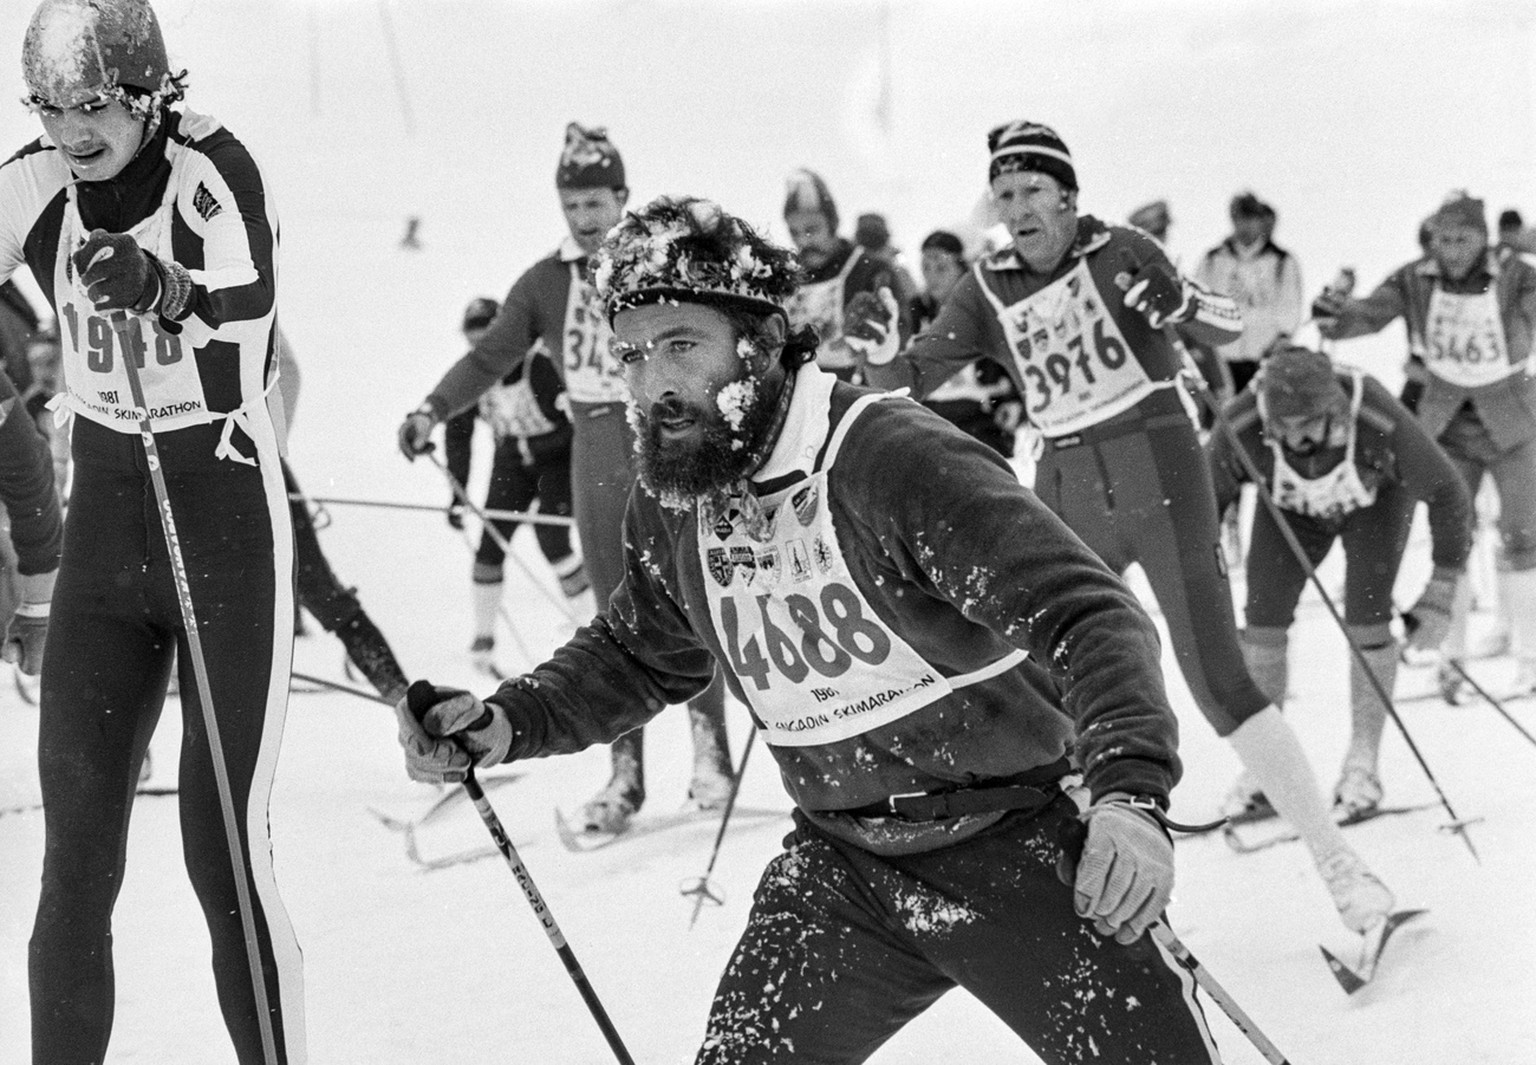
[[116, 627], [1136, 488]]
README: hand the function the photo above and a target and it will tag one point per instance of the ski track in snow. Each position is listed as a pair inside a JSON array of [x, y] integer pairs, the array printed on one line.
[[405, 964]]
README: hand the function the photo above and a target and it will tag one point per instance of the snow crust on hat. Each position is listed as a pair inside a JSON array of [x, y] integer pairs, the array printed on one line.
[[64, 50], [689, 249], [589, 160], [77, 49]]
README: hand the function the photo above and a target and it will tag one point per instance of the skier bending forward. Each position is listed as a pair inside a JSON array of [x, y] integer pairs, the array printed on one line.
[[923, 645]]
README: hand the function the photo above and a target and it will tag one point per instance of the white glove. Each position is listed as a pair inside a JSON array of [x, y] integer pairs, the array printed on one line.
[[870, 326], [454, 731], [513, 410], [1125, 875]]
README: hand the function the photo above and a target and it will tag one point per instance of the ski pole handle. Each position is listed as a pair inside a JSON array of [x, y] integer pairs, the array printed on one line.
[[421, 697]]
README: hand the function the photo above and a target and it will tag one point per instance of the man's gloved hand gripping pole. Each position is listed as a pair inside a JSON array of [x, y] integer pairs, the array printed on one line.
[[1118, 858], [446, 732]]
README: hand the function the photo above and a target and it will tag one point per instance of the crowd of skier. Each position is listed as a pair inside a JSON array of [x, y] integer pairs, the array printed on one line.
[[709, 433]]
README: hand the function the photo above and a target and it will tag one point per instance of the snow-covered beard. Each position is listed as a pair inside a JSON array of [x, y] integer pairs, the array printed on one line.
[[730, 446]]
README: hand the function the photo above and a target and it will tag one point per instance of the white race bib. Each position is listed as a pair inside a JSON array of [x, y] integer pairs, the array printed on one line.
[[95, 380], [1075, 364], [1337, 493], [1464, 337], [592, 374], [820, 304], [816, 662]]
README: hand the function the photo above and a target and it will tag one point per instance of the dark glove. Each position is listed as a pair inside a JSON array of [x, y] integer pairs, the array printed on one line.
[[118, 274], [870, 326], [446, 731], [414, 432], [25, 638], [1328, 306], [1122, 877], [1160, 295], [456, 514]]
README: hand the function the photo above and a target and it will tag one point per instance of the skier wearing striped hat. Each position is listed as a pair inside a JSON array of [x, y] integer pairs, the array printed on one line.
[[1083, 313]]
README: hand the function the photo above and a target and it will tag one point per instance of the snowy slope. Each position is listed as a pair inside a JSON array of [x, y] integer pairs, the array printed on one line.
[[1355, 119]]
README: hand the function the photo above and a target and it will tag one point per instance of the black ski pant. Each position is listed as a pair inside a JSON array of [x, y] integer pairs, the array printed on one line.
[[1374, 538], [516, 481], [116, 626], [844, 947]]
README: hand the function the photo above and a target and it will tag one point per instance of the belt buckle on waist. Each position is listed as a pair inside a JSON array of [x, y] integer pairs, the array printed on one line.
[[890, 800]]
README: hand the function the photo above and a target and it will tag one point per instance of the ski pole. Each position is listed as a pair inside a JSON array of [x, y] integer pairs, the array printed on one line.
[[132, 345], [1170, 942], [526, 517], [495, 534], [1475, 686], [344, 688], [700, 889], [419, 699]]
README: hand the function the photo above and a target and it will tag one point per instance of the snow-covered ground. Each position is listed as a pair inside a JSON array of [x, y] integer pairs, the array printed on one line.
[[1353, 118]]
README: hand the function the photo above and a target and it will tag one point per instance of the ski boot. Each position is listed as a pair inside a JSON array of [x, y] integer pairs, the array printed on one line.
[[1362, 900], [710, 788], [1453, 686], [1245, 802], [1525, 680], [482, 656], [1357, 794], [611, 810]]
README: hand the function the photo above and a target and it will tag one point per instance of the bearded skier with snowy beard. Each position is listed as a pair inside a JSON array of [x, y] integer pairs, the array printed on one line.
[[150, 226], [1080, 312], [923, 647], [552, 303]]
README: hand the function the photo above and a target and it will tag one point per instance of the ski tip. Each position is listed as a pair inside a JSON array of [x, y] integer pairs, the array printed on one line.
[[1346, 976]]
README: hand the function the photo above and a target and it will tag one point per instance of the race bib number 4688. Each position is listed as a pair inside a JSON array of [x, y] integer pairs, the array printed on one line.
[[821, 637], [815, 661]]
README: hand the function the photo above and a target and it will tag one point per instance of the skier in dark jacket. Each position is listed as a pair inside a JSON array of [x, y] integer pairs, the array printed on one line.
[[923, 646]]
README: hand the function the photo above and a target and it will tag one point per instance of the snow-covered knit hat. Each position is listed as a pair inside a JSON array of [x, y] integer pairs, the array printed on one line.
[[807, 192], [589, 160], [1460, 209], [1030, 146], [1297, 378], [689, 249], [77, 50]]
